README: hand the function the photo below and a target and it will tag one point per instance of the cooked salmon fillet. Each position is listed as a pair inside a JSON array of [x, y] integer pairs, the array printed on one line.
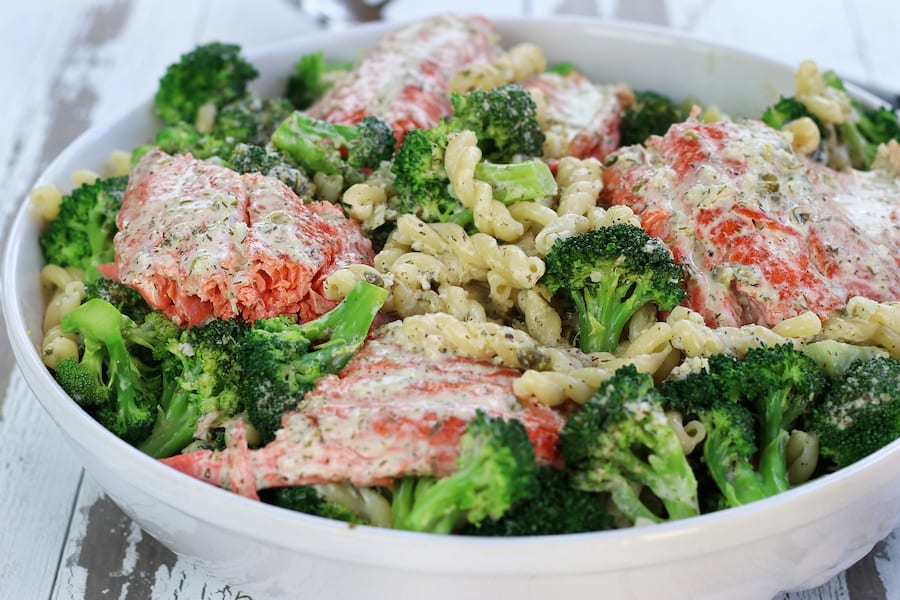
[[199, 241], [579, 117], [764, 234], [393, 411], [403, 78]]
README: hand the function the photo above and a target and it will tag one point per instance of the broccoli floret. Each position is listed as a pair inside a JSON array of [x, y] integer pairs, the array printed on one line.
[[620, 437], [555, 508], [420, 180], [251, 119], [183, 138], [423, 187], [714, 397], [322, 147], [109, 380], [249, 158], [149, 338], [720, 379], [781, 383], [496, 469], [312, 76], [307, 499], [503, 118], [784, 111], [126, 299], [609, 273], [280, 362], [651, 114], [82, 235], [860, 413], [200, 377], [210, 74], [729, 451]]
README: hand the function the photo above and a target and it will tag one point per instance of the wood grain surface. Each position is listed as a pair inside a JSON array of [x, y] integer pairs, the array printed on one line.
[[65, 66]]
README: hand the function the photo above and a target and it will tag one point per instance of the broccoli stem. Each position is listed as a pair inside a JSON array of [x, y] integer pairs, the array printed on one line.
[[300, 138], [773, 463], [604, 310], [666, 473], [174, 428], [346, 326], [518, 182], [105, 323], [733, 473]]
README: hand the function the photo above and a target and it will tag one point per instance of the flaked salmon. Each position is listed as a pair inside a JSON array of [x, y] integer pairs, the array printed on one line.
[[580, 118], [199, 241], [403, 79], [763, 233], [393, 411]]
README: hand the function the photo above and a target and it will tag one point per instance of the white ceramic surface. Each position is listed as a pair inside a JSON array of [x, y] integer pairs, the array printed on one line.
[[796, 540]]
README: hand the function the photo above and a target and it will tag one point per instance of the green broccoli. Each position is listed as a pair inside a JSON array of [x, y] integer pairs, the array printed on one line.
[[126, 299], [555, 508], [150, 336], [200, 377], [621, 437], [421, 182], [248, 120], [249, 158], [211, 74], [312, 75], [109, 380], [496, 469], [784, 111], [280, 362], [251, 119], [518, 182], [609, 273], [423, 188], [503, 118], [184, 138], [82, 235], [714, 397], [853, 143], [860, 413], [562, 68], [865, 129], [781, 383], [308, 499], [322, 147], [651, 114], [729, 452]]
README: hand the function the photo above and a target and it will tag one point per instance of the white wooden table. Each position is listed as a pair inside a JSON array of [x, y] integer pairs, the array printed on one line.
[[66, 65]]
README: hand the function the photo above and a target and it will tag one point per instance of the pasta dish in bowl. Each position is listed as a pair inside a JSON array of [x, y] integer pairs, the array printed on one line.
[[592, 317]]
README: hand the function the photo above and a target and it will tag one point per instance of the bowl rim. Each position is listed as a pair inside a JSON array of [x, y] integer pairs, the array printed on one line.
[[604, 550]]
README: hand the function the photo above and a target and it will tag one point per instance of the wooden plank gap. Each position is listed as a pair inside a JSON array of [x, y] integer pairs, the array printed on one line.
[[62, 547]]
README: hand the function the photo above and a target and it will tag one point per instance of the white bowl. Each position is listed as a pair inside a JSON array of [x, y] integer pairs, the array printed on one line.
[[796, 540]]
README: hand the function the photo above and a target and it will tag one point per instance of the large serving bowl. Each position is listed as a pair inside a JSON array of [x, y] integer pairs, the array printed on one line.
[[798, 539]]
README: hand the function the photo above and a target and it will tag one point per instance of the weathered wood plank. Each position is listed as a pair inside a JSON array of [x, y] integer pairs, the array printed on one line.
[[108, 556], [38, 478]]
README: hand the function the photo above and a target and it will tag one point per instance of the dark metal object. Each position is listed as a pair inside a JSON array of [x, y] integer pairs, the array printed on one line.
[[336, 14]]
